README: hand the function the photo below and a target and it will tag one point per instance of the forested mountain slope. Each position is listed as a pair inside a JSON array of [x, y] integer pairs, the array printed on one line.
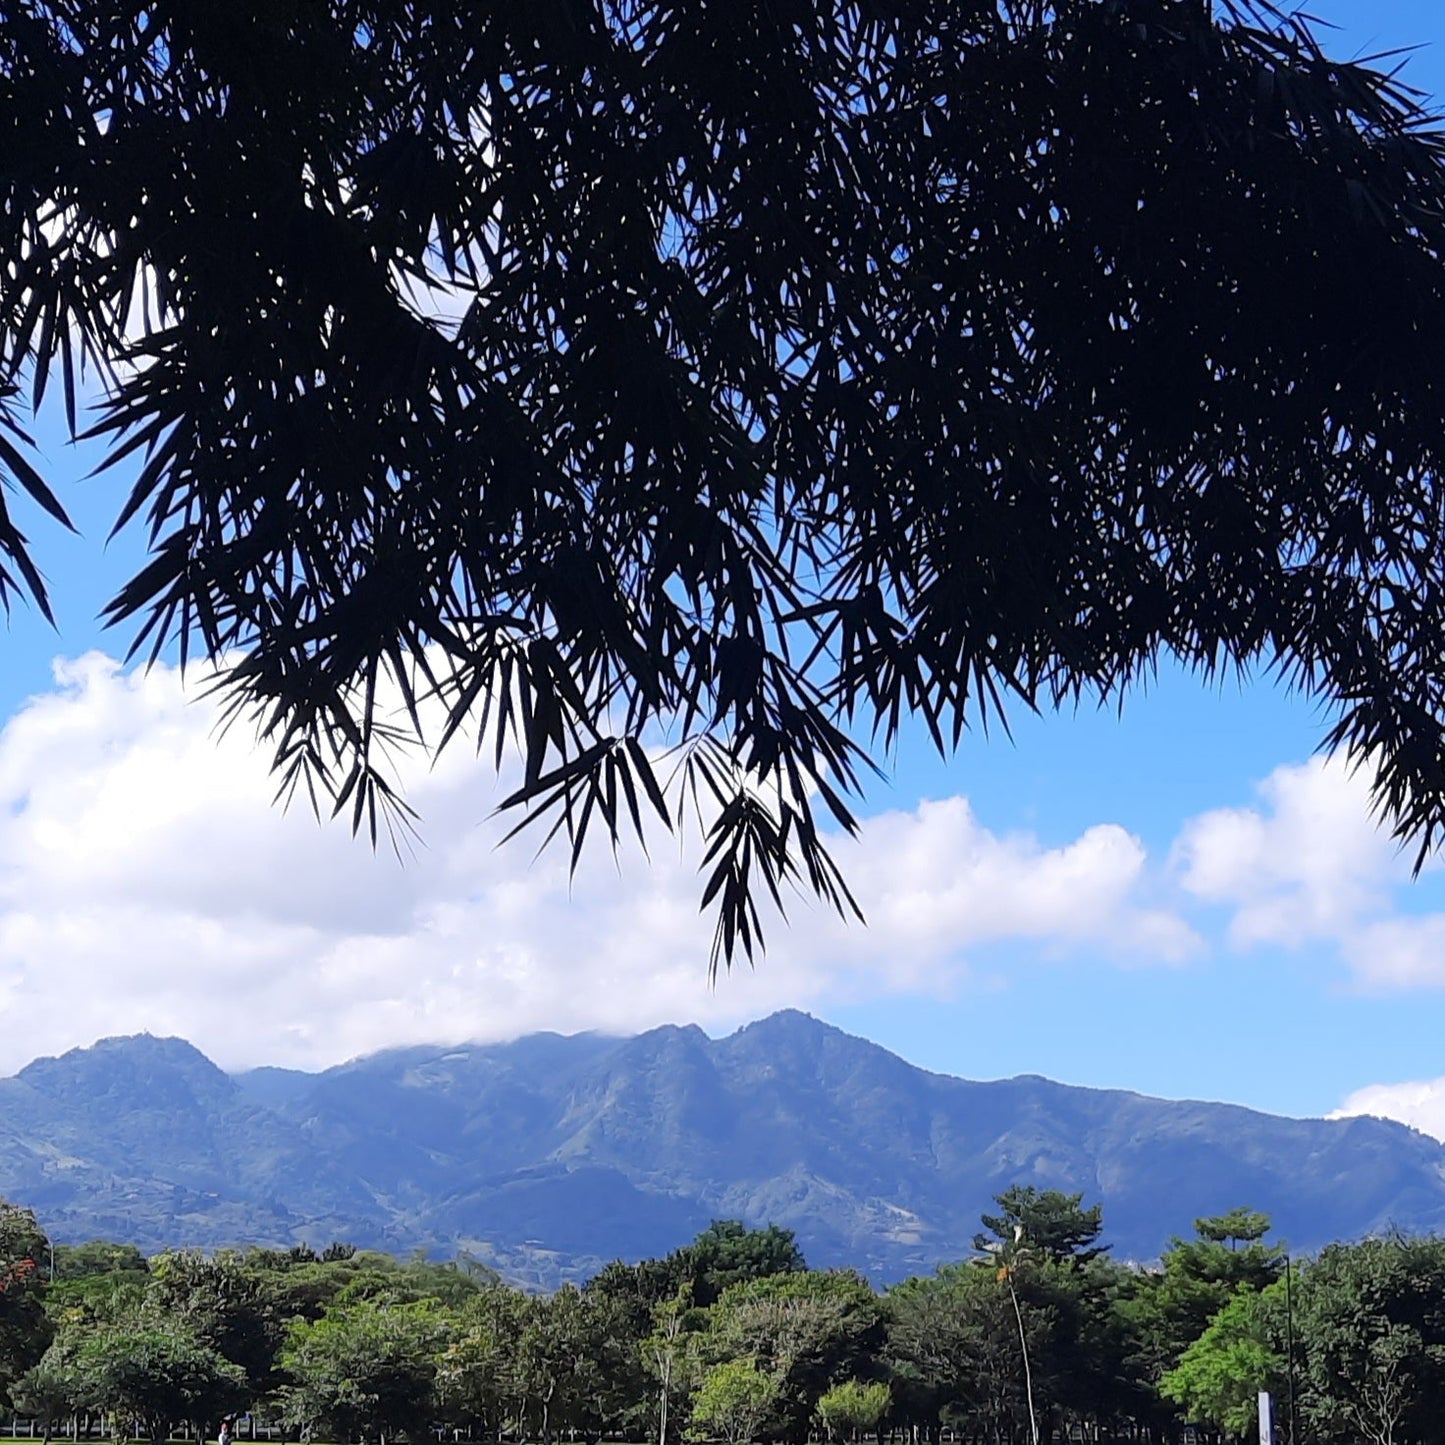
[[550, 1155]]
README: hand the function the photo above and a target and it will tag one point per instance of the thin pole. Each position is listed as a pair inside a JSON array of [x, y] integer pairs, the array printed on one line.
[[1024, 1349]]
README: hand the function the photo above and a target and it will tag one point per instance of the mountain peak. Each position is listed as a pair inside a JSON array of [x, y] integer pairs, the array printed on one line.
[[146, 1044], [550, 1154], [790, 1020], [138, 1066]]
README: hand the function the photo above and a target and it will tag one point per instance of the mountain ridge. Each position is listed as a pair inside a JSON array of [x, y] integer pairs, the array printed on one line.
[[550, 1154]]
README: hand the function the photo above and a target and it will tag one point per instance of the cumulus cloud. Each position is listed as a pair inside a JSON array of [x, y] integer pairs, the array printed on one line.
[[1312, 865], [146, 882], [934, 877], [1392, 954], [1420, 1104], [1305, 865]]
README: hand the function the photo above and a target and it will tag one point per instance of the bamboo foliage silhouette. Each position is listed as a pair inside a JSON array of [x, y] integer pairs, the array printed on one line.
[[681, 395]]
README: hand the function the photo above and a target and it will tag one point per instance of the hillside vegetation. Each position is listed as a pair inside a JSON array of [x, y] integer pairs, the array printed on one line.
[[1039, 1334]]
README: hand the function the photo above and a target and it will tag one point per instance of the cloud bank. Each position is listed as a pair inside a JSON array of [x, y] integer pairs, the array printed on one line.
[[147, 882]]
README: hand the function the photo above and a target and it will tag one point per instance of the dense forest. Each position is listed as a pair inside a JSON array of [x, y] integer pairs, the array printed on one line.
[[1039, 1336]]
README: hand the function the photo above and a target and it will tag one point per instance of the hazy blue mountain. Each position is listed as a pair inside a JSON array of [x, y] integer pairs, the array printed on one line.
[[552, 1154], [145, 1139]]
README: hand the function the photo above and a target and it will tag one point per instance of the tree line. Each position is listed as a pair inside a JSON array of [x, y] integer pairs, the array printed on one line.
[[1039, 1336]]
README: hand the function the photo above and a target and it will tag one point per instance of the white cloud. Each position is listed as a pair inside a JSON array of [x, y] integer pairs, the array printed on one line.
[[1305, 866], [1313, 865], [1420, 1104], [1399, 953], [146, 882], [934, 877]]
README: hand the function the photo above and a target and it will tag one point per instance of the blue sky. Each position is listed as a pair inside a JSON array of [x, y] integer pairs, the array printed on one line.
[[1252, 1005]]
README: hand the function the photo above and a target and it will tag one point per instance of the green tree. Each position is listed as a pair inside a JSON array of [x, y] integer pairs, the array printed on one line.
[[1007, 1255], [56, 1386], [1371, 1324], [97, 1257], [727, 1252], [371, 1275], [307, 1288], [1049, 1223], [953, 1351], [733, 1401], [105, 1279], [475, 1370], [1083, 1378], [1218, 1378], [853, 1406], [641, 1287], [806, 1330], [926, 1353], [569, 1362], [25, 1329], [618, 1394], [918, 359], [1043, 1247], [160, 1378], [671, 1356], [1200, 1276], [1238, 1226], [363, 1370], [224, 1304]]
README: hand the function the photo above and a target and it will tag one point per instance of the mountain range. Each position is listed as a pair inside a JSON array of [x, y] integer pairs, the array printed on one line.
[[549, 1155]]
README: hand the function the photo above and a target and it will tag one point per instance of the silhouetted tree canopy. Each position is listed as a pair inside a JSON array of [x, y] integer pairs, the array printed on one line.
[[740, 375]]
